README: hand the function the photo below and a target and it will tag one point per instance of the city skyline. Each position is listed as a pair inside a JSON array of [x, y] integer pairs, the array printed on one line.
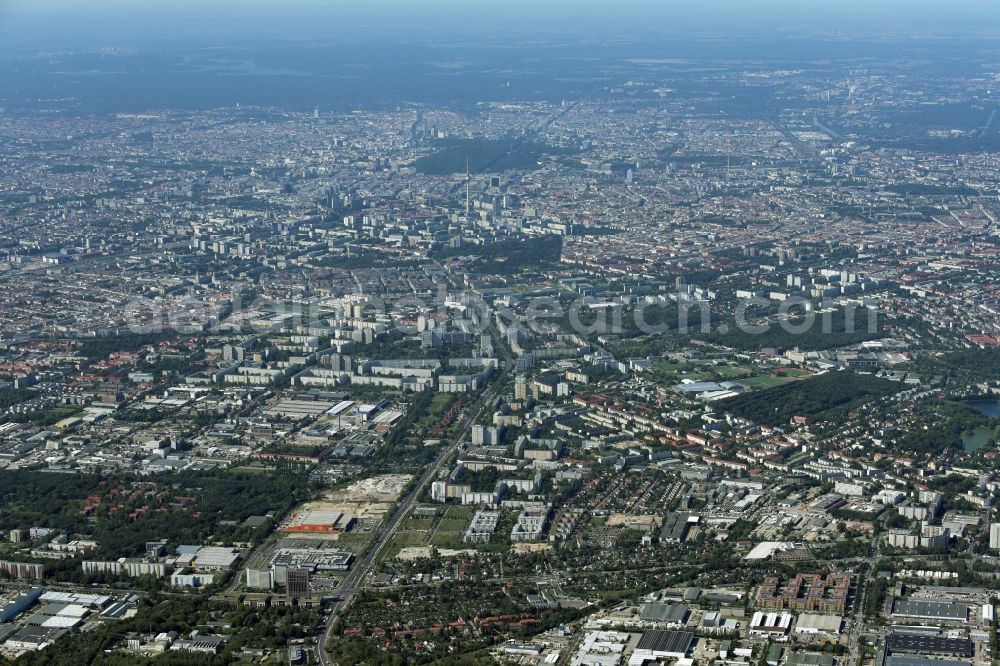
[[458, 333]]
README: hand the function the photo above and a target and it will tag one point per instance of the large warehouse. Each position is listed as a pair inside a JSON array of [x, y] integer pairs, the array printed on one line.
[[813, 623], [329, 521], [775, 626], [659, 644], [912, 660], [673, 614], [929, 645], [932, 610]]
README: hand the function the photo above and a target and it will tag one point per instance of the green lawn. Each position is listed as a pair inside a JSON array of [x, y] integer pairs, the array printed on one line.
[[453, 524], [354, 537], [409, 539], [447, 540], [425, 524], [439, 404], [733, 372], [464, 512], [763, 381], [667, 373], [403, 540]]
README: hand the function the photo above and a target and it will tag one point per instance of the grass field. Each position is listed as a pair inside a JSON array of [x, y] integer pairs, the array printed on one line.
[[667, 373], [763, 381], [439, 405], [452, 524], [463, 512], [251, 470], [415, 524], [733, 372], [409, 539], [448, 540], [403, 540], [354, 537]]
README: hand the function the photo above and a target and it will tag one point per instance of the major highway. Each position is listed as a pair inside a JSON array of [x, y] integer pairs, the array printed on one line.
[[354, 580]]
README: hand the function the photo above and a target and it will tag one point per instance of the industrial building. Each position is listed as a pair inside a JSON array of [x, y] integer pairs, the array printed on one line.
[[812, 623], [298, 409], [672, 614], [58, 615], [664, 644], [259, 579], [809, 659], [931, 610], [929, 645], [913, 660], [313, 559], [676, 526], [33, 637], [215, 558], [775, 626], [601, 648], [320, 520], [21, 604]]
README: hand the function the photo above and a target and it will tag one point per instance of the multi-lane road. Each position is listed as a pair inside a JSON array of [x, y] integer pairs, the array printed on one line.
[[354, 580], [864, 589], [349, 587]]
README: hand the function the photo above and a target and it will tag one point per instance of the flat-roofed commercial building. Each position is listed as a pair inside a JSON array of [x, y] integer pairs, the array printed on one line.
[[813, 623], [913, 660], [327, 521], [929, 645], [313, 559], [216, 558], [659, 644], [775, 626], [673, 614], [931, 610]]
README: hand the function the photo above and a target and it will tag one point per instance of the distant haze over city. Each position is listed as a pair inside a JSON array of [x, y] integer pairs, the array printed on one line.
[[468, 333]]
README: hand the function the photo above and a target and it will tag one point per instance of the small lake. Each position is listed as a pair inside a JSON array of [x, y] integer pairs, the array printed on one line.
[[975, 439], [988, 408]]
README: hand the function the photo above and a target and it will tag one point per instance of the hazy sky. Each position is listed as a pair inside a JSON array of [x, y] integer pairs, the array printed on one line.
[[49, 21]]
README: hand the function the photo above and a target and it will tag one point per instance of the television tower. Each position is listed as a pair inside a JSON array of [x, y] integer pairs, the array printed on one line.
[[468, 206]]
